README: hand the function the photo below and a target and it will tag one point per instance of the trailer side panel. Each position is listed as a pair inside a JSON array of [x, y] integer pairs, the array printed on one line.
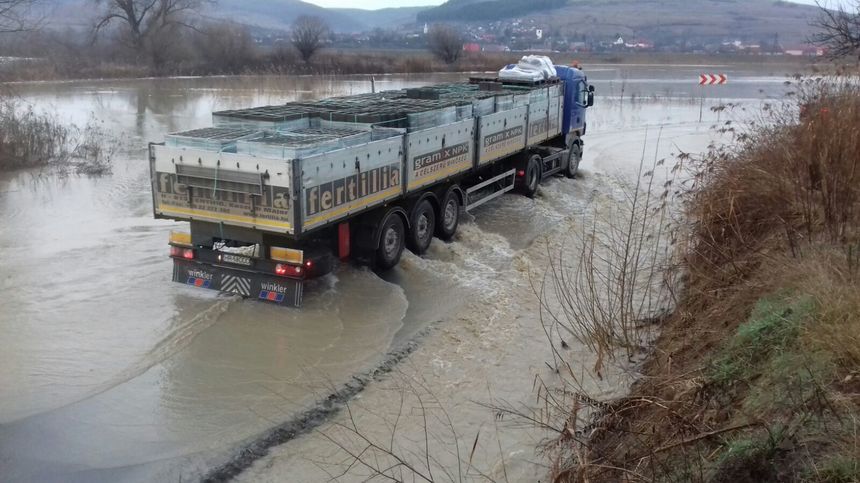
[[438, 153], [339, 183], [501, 134]]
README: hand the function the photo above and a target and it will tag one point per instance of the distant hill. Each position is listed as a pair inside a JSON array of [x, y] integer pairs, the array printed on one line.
[[652, 19], [749, 19], [386, 18], [694, 20], [280, 14], [266, 14], [476, 10]]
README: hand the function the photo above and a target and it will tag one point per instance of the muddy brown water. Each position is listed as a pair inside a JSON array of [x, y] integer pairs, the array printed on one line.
[[110, 372]]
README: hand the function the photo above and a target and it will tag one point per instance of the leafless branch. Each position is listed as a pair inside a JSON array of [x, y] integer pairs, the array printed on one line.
[[839, 31], [17, 15]]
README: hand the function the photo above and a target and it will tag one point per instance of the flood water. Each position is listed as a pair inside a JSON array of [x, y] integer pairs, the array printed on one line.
[[110, 372]]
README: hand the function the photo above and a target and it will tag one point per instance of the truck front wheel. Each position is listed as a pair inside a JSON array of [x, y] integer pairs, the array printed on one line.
[[574, 156], [390, 242], [532, 176], [423, 226]]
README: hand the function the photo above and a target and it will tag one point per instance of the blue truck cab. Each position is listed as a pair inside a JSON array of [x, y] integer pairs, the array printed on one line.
[[578, 96]]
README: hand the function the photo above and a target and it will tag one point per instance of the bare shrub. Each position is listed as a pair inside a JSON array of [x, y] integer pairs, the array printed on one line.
[[609, 293], [225, 47], [29, 139], [446, 43], [308, 34], [94, 150]]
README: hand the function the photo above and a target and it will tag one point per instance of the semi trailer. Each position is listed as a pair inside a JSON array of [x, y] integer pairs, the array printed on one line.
[[276, 195]]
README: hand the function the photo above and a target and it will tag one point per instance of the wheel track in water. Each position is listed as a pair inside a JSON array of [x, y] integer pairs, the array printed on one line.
[[310, 419], [174, 342]]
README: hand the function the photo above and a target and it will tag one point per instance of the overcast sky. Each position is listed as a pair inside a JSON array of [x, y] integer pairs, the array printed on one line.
[[375, 4]]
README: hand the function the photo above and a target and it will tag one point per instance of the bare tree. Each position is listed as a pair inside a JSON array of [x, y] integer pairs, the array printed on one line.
[[226, 47], [145, 19], [840, 31], [16, 15], [308, 35], [446, 43]]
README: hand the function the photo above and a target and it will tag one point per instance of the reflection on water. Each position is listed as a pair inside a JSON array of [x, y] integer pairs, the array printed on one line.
[[110, 372]]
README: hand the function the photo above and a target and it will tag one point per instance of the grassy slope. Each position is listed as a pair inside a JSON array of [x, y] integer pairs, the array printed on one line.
[[756, 376]]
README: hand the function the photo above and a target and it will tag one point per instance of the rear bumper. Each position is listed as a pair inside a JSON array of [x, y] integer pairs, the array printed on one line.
[[247, 283]]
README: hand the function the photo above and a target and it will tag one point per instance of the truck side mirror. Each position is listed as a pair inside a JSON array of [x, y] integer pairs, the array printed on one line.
[[590, 101]]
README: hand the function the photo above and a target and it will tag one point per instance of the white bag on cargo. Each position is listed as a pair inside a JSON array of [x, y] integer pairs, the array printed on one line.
[[531, 68]]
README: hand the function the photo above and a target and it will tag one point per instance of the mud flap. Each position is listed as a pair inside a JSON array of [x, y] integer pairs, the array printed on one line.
[[261, 286]]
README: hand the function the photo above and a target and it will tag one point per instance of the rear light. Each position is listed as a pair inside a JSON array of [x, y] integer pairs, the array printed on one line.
[[179, 252], [285, 270], [521, 173]]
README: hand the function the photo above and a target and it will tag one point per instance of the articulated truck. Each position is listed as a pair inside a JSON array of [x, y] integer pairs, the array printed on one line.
[[276, 195]]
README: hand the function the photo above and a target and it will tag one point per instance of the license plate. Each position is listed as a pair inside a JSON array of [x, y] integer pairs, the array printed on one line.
[[236, 259]]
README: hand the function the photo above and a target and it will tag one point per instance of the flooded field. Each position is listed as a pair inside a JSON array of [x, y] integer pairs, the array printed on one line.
[[110, 372]]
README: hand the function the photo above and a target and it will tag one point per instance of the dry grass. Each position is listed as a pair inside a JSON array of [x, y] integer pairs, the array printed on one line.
[[834, 287], [755, 375]]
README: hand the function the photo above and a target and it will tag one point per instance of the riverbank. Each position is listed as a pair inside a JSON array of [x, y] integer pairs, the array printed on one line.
[[349, 62], [755, 375]]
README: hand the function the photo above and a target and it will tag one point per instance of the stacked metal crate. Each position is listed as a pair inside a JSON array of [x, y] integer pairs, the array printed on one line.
[[211, 138], [301, 143], [306, 128]]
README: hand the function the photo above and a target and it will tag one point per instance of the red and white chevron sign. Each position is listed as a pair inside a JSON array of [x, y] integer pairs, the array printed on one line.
[[712, 79]]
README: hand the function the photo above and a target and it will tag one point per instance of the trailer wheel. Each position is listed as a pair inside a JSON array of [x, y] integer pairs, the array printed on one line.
[[449, 216], [390, 242], [533, 176], [423, 225], [574, 156]]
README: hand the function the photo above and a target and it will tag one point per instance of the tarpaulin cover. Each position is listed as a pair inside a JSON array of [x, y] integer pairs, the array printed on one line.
[[531, 68]]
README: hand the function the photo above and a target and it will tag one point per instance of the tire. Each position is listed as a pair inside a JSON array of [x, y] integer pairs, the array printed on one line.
[[449, 216], [423, 226], [533, 176], [391, 242], [574, 157]]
